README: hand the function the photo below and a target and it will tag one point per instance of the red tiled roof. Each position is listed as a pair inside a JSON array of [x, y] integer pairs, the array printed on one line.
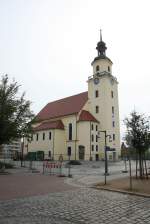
[[63, 107], [87, 116], [49, 125]]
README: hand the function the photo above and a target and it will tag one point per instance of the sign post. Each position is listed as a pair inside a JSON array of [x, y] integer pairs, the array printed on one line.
[[69, 166], [60, 160]]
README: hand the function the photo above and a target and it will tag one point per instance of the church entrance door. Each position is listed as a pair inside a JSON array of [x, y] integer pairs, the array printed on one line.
[[96, 157], [81, 152]]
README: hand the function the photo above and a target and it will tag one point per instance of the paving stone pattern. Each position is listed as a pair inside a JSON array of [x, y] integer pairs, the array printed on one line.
[[80, 206]]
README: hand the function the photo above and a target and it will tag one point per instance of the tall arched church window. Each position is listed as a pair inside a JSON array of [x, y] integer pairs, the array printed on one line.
[[70, 131]]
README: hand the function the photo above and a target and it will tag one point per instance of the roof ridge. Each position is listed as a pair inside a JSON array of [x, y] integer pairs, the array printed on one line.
[[67, 97], [62, 107], [49, 121], [86, 115]]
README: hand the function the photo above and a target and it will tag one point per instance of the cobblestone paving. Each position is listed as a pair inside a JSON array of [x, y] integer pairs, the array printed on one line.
[[80, 206]]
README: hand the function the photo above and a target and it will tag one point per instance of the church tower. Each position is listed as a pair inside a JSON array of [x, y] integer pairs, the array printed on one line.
[[103, 102]]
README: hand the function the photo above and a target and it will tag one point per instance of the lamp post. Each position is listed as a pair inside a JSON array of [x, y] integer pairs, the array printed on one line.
[[105, 149]]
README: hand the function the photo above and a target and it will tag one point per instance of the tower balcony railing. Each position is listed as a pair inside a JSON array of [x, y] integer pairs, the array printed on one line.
[[99, 74]]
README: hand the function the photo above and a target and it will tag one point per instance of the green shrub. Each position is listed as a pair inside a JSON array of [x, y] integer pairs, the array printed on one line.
[[31, 156], [40, 155]]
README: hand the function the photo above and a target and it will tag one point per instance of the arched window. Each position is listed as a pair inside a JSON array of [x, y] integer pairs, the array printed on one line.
[[49, 154], [96, 93], [37, 136], [108, 68], [97, 109], [92, 138], [96, 147], [97, 68], [96, 128], [92, 147], [113, 110], [70, 131], [114, 137], [113, 124], [96, 138], [69, 151]]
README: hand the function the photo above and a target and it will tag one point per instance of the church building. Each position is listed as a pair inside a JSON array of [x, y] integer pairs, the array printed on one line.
[[82, 126]]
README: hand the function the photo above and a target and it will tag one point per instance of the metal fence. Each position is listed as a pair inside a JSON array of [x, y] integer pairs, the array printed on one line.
[[37, 163]]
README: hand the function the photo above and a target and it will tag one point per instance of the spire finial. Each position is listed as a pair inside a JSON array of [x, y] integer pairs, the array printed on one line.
[[100, 35]]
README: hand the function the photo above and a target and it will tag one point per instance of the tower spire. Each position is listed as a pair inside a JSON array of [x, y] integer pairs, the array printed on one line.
[[100, 35], [101, 46]]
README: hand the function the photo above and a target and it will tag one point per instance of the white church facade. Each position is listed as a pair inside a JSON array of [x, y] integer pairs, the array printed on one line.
[[84, 124]]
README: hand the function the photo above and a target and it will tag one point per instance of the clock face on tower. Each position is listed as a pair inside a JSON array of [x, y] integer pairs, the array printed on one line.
[[96, 81]]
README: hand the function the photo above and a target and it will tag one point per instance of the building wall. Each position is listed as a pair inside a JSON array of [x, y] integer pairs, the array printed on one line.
[[59, 142], [85, 133], [45, 145], [12, 148], [83, 137], [70, 143]]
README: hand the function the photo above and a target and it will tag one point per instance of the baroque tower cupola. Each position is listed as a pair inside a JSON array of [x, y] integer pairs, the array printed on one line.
[[101, 46], [101, 63]]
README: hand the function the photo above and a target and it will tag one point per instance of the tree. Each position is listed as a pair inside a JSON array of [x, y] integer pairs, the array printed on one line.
[[138, 138], [15, 113]]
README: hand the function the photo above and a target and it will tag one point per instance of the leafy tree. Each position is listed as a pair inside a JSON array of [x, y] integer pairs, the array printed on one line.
[[15, 113], [138, 138]]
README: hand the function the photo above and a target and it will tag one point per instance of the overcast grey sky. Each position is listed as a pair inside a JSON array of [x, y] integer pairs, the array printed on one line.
[[48, 47]]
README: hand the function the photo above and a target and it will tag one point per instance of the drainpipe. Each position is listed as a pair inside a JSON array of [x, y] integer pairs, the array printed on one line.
[[76, 139], [53, 142], [90, 140]]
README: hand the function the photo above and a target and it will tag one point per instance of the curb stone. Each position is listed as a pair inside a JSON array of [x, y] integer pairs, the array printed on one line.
[[121, 191]]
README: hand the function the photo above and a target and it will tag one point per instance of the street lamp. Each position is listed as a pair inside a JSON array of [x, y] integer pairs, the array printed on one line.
[[105, 149]]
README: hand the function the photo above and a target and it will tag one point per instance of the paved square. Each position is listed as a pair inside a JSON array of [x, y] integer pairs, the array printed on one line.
[[21, 185], [82, 205]]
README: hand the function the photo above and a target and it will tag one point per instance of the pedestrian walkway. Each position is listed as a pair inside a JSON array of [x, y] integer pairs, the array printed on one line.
[[22, 183], [82, 205], [33, 198]]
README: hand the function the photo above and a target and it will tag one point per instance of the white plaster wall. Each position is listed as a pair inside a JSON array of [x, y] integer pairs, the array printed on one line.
[[59, 144], [103, 65], [42, 145], [84, 138]]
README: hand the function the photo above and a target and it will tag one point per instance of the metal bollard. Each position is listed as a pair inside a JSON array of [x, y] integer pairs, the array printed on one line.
[[43, 167], [69, 168]]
